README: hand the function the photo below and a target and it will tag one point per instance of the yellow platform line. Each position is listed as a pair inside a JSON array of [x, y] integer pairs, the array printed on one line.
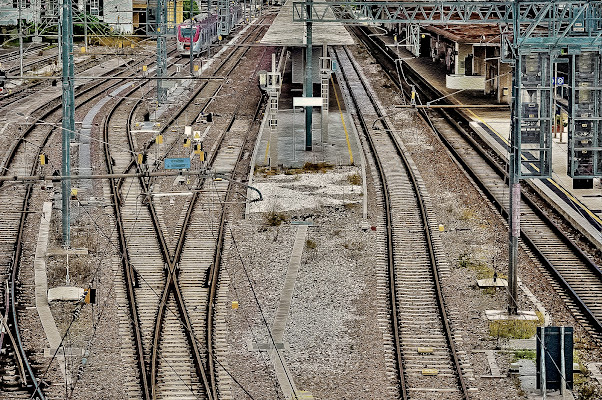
[[343, 121], [267, 149], [489, 126]]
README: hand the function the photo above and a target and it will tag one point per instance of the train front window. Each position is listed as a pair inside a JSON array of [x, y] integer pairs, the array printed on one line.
[[185, 32]]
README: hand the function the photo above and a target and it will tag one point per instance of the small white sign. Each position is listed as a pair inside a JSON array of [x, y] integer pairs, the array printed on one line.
[[307, 102]]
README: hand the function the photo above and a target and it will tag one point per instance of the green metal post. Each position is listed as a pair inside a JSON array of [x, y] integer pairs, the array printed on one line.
[[68, 122], [309, 83], [191, 39], [514, 178], [161, 50]]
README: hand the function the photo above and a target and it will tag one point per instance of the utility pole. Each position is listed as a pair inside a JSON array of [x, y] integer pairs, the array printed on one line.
[[86, 25], [20, 41], [68, 123], [191, 38], [161, 51], [309, 82]]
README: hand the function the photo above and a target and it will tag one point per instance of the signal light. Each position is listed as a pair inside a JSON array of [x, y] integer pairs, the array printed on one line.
[[90, 296]]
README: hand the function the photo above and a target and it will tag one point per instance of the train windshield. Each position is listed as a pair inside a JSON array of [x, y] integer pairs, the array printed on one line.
[[185, 32]]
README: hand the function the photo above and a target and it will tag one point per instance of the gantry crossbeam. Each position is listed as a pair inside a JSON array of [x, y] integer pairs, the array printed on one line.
[[557, 23]]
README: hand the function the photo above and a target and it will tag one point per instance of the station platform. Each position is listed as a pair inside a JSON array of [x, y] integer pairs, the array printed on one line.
[[340, 148], [581, 206], [284, 32]]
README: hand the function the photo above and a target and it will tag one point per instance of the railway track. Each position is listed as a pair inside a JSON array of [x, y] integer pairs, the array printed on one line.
[[171, 285], [13, 56], [22, 158], [418, 315], [559, 255]]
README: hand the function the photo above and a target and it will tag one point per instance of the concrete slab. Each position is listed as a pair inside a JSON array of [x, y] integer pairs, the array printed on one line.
[[521, 344], [285, 32], [64, 252], [41, 281], [494, 369], [594, 368], [64, 352], [283, 375], [490, 282], [502, 315], [252, 346], [65, 293]]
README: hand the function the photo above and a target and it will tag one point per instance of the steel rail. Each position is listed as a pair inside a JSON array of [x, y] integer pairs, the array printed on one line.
[[172, 283], [22, 359], [54, 108], [428, 234], [390, 259], [453, 116], [128, 270]]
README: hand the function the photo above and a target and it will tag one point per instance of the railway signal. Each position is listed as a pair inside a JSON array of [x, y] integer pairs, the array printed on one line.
[[90, 296]]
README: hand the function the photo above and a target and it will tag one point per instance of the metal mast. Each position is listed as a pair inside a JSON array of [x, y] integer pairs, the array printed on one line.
[[68, 123], [309, 82], [161, 51]]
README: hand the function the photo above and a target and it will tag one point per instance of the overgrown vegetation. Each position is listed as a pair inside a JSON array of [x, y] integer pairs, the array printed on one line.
[[354, 179], [275, 218], [482, 270], [310, 244], [589, 391], [467, 214], [512, 329], [515, 329], [308, 167], [524, 355]]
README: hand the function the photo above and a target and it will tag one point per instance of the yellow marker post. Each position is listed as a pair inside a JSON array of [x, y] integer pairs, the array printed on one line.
[[144, 68], [235, 305], [430, 372], [441, 227], [159, 139], [82, 49], [202, 155], [43, 159], [344, 127], [140, 158]]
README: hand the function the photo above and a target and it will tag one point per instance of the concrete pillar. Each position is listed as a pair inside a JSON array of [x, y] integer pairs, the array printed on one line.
[[504, 90], [462, 50]]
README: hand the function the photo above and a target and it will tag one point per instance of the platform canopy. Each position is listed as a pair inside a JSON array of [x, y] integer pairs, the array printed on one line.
[[285, 32]]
